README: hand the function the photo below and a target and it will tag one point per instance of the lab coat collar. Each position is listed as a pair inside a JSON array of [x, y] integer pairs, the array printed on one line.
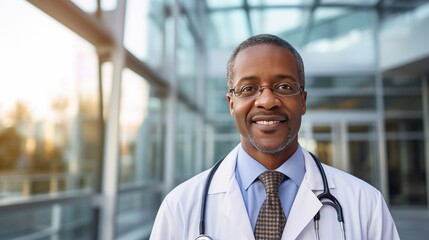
[[313, 176], [220, 182]]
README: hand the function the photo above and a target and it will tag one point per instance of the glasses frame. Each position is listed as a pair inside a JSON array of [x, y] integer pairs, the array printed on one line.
[[260, 89]]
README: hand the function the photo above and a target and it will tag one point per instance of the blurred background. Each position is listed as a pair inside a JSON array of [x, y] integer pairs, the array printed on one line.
[[106, 105]]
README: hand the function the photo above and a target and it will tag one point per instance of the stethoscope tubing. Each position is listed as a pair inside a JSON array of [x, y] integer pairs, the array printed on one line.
[[326, 194]]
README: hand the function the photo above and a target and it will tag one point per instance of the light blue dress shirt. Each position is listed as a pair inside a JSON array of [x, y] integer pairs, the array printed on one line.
[[247, 172]]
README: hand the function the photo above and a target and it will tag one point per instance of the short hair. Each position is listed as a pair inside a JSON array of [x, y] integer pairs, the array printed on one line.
[[262, 39]]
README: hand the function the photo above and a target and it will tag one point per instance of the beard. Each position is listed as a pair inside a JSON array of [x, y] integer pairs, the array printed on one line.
[[270, 149]]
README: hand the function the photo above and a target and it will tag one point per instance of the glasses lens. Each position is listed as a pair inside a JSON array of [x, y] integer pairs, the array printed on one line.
[[279, 89], [246, 90], [285, 89]]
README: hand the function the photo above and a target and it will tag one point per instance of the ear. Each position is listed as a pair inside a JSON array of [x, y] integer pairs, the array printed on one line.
[[304, 102], [231, 103]]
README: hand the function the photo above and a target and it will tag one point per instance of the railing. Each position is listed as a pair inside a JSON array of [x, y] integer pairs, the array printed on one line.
[[18, 186]]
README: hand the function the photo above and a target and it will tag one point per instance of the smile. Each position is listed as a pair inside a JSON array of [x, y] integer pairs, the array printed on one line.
[[267, 123]]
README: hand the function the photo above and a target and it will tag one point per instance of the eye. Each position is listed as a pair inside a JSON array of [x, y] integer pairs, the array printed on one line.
[[284, 87], [248, 88]]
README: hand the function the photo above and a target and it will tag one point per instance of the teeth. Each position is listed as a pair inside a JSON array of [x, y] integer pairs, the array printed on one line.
[[267, 122]]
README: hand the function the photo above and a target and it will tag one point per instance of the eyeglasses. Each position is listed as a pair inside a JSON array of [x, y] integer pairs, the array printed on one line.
[[282, 89]]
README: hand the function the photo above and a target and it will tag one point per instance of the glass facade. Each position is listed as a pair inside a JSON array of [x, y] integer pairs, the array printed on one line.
[[107, 105]]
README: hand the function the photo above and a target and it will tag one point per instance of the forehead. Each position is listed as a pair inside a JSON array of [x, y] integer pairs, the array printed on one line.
[[265, 59]]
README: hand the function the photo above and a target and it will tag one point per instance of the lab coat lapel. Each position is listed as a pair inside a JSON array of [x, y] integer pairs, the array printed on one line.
[[304, 207], [306, 203], [232, 207]]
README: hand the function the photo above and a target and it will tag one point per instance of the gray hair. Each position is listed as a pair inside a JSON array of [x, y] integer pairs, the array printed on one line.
[[260, 40]]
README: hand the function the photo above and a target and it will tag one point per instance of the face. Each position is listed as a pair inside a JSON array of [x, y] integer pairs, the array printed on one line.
[[267, 123]]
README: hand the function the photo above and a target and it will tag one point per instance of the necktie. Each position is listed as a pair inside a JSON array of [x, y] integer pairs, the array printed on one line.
[[271, 219]]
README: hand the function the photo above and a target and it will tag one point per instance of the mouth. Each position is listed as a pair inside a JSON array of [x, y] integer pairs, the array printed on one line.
[[267, 123]]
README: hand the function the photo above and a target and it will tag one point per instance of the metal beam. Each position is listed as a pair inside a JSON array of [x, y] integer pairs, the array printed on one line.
[[80, 22], [354, 6], [47, 201]]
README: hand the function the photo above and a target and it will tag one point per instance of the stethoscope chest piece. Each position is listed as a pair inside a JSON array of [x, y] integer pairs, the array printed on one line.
[[203, 237]]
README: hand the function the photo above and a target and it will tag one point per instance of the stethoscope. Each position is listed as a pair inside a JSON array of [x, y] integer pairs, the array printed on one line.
[[326, 196]]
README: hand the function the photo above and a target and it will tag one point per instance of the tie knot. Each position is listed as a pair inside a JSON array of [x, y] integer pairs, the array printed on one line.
[[271, 180]]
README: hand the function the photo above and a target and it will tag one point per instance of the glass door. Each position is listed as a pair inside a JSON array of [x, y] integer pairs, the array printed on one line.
[[346, 142]]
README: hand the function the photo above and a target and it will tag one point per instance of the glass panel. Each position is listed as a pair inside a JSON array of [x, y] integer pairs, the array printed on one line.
[[224, 3], [366, 2], [407, 175], [340, 102], [330, 83], [401, 83], [279, 2], [187, 65], [404, 125], [215, 101], [276, 21], [136, 213], [143, 35], [49, 117], [402, 103], [363, 153], [329, 42], [322, 135], [140, 117], [221, 37], [68, 222], [185, 143]]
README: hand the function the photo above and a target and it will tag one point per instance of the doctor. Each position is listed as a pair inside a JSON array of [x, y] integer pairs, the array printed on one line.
[[267, 100]]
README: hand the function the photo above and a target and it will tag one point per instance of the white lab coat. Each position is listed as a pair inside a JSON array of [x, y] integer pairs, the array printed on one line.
[[366, 215]]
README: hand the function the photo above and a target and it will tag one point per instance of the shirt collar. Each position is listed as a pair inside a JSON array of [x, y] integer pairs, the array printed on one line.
[[249, 169]]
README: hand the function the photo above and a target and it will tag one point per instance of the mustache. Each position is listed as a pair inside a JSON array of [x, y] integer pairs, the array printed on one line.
[[269, 113]]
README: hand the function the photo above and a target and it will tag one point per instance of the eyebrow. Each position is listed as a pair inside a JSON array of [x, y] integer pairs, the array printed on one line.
[[276, 76]]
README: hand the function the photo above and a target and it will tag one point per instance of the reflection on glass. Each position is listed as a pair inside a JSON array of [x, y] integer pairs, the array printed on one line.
[[403, 103], [136, 213], [279, 2], [141, 129], [323, 140], [330, 83], [60, 221], [341, 103], [185, 143], [143, 31], [49, 134], [227, 38], [363, 153], [187, 64], [268, 20], [406, 168], [224, 3], [366, 2]]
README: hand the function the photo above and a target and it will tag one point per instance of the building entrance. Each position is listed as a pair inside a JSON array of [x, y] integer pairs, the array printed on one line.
[[347, 141]]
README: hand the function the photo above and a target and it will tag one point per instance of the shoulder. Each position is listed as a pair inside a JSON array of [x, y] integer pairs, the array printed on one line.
[[189, 190], [353, 188]]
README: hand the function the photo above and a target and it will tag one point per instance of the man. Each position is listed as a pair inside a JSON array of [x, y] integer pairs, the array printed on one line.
[[267, 100]]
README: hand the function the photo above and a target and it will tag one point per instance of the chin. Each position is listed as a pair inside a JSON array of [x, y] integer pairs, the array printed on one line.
[[269, 149]]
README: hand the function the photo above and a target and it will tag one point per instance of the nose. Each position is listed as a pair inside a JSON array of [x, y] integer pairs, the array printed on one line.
[[267, 99]]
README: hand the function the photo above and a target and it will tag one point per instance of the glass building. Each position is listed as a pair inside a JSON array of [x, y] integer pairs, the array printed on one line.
[[106, 105]]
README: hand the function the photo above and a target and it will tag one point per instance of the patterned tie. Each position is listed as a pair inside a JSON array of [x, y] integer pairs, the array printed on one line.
[[271, 219]]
